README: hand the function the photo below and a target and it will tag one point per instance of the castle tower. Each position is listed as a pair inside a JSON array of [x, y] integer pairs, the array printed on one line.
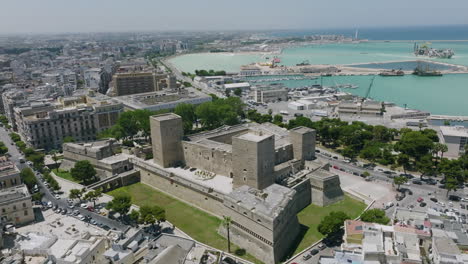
[[303, 141], [253, 160], [166, 135]]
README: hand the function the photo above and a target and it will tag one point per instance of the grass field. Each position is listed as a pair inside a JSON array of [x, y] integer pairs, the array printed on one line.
[[64, 174], [196, 223], [313, 214], [203, 226]]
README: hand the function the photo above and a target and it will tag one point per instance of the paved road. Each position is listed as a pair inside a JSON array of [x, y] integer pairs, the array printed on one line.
[[48, 196], [179, 76], [424, 190]]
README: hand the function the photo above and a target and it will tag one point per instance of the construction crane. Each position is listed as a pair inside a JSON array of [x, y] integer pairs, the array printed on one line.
[[369, 89]]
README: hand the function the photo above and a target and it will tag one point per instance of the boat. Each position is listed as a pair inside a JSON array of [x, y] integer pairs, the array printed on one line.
[[326, 74], [426, 50], [392, 72], [345, 86], [419, 71], [304, 63]]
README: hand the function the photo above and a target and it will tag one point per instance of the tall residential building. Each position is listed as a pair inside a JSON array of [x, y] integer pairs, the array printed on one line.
[[9, 173], [16, 205], [45, 125], [137, 82], [11, 99]]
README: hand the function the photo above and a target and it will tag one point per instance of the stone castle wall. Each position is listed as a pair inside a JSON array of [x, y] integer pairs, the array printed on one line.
[[213, 160], [284, 154], [182, 189]]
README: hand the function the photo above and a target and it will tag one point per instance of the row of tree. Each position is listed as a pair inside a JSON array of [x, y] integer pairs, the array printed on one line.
[[37, 158], [136, 124], [146, 215], [331, 225]]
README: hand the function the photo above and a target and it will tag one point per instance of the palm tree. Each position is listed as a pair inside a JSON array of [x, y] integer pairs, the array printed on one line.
[[443, 149], [55, 158], [226, 223]]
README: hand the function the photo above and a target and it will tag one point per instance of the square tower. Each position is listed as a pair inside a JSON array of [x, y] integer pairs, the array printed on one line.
[[166, 134], [253, 160], [303, 141]]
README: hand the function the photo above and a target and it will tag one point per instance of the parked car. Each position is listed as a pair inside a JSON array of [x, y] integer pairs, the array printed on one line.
[[454, 198], [417, 182], [433, 199], [306, 257], [81, 217], [314, 252], [420, 199], [321, 246], [422, 204]]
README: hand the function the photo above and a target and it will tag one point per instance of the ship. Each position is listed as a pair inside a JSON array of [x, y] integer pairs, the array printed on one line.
[[392, 72], [304, 63], [419, 71], [426, 50]]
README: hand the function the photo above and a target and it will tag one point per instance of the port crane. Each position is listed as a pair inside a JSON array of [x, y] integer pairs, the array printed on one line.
[[369, 89]]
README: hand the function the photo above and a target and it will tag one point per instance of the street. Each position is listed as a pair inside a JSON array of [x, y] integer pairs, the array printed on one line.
[[48, 196]]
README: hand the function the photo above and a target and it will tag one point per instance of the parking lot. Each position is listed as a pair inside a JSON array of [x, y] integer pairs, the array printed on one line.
[[63, 226]]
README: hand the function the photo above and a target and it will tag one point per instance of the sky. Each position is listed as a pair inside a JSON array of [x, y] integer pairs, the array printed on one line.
[[47, 16]]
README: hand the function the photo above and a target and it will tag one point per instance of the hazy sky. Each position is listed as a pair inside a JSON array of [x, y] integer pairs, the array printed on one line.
[[18, 16]]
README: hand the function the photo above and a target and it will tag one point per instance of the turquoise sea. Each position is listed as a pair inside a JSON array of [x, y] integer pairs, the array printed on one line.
[[440, 95]]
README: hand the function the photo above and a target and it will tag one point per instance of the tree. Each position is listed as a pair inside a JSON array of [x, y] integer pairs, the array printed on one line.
[[15, 137], [403, 160], [440, 148], [332, 223], [75, 194], [227, 93], [93, 195], [55, 158], [238, 91], [399, 180], [375, 216], [300, 121], [371, 152], [83, 172], [68, 139], [415, 144], [120, 204], [134, 215], [425, 166], [349, 152], [187, 112], [152, 214], [366, 174], [3, 148], [278, 119], [27, 175], [227, 224], [451, 184]]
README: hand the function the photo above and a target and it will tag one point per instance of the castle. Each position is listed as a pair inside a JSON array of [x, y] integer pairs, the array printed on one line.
[[260, 175]]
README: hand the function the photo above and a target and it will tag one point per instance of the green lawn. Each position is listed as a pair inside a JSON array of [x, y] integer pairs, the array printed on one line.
[[64, 174], [313, 214], [203, 226], [196, 223]]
